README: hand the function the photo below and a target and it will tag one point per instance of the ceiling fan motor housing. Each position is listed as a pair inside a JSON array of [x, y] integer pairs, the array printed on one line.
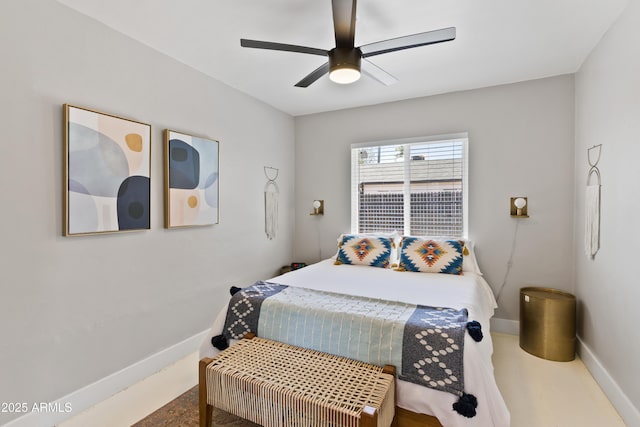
[[344, 57]]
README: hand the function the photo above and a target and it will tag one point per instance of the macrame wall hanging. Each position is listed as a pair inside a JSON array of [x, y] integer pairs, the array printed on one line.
[[592, 205], [271, 192]]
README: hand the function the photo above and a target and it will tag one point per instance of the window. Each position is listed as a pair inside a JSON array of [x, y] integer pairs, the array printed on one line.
[[416, 186]]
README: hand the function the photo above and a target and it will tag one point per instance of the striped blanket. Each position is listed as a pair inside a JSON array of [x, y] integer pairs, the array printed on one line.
[[426, 344]]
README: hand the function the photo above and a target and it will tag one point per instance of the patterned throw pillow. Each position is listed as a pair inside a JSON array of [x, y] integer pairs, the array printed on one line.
[[374, 251], [431, 256]]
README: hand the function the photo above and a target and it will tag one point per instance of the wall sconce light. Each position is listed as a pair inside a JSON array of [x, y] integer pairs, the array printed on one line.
[[318, 207], [519, 207]]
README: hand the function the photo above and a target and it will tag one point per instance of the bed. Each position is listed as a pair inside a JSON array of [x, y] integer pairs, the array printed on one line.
[[417, 405]]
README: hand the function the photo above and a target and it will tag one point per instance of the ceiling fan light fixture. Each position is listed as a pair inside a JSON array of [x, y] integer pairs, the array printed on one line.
[[344, 65]]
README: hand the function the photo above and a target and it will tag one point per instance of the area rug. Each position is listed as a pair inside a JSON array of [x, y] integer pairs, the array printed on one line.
[[183, 412]]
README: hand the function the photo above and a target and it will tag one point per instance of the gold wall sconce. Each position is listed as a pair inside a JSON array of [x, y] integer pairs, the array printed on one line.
[[519, 207], [318, 207]]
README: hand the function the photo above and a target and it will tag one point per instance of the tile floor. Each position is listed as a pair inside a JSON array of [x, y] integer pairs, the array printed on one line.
[[539, 393]]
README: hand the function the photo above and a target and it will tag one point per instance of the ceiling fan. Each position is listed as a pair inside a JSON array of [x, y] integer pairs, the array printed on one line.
[[345, 60]]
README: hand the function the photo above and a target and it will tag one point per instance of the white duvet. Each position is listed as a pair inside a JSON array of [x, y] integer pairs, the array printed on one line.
[[469, 291]]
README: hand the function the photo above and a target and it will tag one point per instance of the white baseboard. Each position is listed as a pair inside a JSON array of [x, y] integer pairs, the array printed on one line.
[[505, 326], [627, 410], [95, 393]]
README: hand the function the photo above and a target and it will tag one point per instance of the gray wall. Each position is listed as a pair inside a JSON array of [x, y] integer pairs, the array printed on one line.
[[608, 287], [76, 309], [520, 144]]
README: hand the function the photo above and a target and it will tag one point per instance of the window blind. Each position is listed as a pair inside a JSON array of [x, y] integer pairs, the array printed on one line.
[[417, 187]]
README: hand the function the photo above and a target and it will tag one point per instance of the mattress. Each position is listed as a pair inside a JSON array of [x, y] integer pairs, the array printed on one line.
[[468, 291]]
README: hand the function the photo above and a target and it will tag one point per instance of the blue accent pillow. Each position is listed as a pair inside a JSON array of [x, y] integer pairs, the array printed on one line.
[[431, 256], [374, 251]]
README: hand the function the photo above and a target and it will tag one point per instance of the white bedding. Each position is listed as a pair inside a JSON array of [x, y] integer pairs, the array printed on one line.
[[469, 291]]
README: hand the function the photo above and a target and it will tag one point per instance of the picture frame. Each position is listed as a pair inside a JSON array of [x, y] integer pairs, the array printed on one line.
[[191, 180], [106, 173]]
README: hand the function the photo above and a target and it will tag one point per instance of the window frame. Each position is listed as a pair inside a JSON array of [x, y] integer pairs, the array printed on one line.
[[434, 139]]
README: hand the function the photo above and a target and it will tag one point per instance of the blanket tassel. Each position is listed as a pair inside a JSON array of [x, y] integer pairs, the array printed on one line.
[[220, 342], [475, 330], [466, 405]]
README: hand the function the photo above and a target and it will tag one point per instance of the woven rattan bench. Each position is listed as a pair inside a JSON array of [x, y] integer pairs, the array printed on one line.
[[279, 385]]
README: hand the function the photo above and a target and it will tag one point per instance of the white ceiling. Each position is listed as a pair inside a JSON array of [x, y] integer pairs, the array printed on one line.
[[498, 41]]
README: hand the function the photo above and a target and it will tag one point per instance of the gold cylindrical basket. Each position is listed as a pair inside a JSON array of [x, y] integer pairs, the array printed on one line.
[[548, 323]]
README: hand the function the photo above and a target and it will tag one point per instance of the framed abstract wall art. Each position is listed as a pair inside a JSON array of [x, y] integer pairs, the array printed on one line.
[[106, 177], [191, 179]]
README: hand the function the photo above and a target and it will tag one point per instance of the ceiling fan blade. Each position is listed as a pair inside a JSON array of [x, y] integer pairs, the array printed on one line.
[[314, 75], [377, 73], [408, 42], [282, 47], [344, 22]]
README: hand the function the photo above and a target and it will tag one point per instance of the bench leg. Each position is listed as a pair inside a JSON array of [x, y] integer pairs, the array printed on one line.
[[206, 410], [369, 417], [391, 370]]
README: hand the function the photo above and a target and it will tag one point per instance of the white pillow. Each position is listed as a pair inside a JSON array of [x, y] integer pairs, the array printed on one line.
[[469, 262]]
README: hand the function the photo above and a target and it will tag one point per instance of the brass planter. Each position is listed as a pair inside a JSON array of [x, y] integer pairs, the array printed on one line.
[[548, 323]]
